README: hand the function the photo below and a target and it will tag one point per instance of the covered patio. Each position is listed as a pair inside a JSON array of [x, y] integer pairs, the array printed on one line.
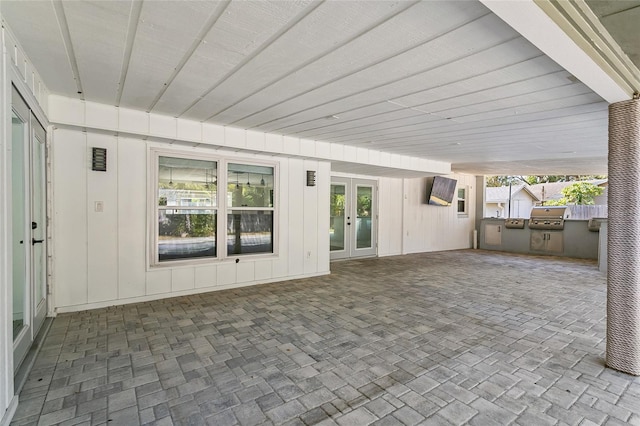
[[455, 337]]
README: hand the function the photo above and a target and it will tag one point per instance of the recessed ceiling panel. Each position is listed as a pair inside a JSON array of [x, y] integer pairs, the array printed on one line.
[[163, 36], [316, 35], [98, 51], [565, 165], [240, 33], [449, 48], [397, 135], [439, 108], [454, 71], [394, 29], [44, 46]]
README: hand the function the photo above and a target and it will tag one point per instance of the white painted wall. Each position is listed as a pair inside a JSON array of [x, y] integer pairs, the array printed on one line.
[[521, 204], [390, 216], [431, 228], [494, 210], [101, 257]]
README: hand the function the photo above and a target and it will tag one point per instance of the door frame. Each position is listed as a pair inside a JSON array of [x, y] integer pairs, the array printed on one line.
[[35, 311], [350, 218]]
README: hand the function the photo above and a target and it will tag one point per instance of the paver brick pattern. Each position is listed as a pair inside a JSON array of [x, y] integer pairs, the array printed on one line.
[[447, 338]]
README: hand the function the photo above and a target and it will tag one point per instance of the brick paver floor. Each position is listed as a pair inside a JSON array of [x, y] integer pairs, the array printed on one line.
[[437, 339]]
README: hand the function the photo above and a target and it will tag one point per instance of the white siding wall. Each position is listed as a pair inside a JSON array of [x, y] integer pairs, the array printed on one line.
[[432, 228], [408, 224], [521, 205], [101, 257], [390, 216], [494, 210]]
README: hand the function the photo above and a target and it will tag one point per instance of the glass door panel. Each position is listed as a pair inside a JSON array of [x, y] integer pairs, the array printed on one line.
[[28, 226], [18, 202], [364, 198], [337, 219], [352, 218]]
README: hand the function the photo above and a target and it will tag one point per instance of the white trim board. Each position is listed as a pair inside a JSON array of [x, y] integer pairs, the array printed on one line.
[[159, 296], [78, 114]]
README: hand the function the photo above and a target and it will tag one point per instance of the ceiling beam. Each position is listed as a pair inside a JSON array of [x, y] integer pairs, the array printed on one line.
[[533, 23]]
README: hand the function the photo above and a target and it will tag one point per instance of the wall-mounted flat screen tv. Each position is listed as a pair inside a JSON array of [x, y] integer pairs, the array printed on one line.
[[440, 190]]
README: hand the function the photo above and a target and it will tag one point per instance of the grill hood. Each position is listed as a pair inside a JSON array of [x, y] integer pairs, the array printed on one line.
[[548, 217]]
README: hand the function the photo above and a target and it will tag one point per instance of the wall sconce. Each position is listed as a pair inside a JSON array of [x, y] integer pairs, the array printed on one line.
[[311, 178], [99, 159]]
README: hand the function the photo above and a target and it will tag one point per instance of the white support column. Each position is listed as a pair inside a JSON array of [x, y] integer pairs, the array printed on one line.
[[623, 270]]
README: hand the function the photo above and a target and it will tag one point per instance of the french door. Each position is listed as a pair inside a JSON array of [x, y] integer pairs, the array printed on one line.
[[353, 218], [28, 226]]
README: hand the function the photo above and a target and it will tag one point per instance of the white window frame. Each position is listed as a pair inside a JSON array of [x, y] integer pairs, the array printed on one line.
[[465, 212], [222, 208]]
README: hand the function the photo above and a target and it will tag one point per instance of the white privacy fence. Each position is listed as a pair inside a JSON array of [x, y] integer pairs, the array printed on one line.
[[587, 212]]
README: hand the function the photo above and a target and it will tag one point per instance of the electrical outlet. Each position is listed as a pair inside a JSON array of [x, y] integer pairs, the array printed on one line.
[[99, 207], [308, 255]]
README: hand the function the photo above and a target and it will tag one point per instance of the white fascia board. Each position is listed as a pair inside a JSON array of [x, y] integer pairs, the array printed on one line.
[[76, 113], [528, 19]]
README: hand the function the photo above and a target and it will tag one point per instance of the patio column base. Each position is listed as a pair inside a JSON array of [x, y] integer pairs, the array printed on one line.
[[623, 244]]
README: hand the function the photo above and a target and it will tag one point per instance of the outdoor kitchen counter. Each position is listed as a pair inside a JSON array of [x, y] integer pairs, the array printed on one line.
[[575, 240]]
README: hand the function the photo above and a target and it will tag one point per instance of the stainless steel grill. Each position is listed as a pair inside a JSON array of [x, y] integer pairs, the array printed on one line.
[[548, 217]]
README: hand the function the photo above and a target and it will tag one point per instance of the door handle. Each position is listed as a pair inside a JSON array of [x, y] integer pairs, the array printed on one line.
[[34, 241]]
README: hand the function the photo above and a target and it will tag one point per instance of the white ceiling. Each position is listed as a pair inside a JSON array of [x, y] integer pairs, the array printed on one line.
[[444, 80]]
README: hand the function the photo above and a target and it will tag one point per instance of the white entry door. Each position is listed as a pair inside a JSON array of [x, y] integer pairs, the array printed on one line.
[[353, 218], [28, 227]]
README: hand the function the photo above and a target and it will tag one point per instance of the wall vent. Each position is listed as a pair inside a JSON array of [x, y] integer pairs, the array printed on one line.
[[99, 159], [311, 178]]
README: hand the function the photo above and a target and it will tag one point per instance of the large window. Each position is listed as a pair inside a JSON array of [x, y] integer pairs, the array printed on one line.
[[250, 212], [187, 208], [195, 221]]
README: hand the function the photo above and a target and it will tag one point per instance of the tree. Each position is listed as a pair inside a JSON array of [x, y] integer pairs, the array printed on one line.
[[581, 193], [577, 193], [494, 181]]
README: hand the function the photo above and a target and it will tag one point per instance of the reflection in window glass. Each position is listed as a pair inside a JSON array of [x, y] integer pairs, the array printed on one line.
[[184, 234], [188, 210], [249, 231], [363, 220], [337, 215], [249, 185], [187, 183], [462, 200], [187, 197]]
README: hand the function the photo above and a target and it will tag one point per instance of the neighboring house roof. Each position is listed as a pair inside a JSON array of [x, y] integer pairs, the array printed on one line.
[[553, 190], [500, 194]]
